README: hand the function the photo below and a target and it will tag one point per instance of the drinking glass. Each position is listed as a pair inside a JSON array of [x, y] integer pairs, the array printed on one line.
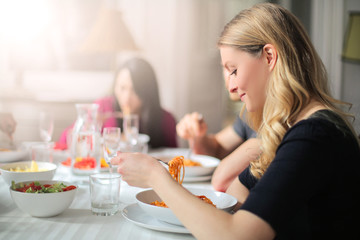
[[111, 144], [42, 152], [105, 193], [46, 126], [131, 129]]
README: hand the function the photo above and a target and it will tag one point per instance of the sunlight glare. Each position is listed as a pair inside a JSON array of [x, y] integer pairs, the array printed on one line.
[[22, 21]]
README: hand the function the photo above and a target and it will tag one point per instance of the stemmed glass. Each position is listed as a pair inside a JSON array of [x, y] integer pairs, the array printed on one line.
[[111, 144], [131, 129], [46, 126]]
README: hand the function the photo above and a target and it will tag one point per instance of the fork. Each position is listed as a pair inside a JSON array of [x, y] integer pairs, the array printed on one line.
[[200, 118], [161, 161]]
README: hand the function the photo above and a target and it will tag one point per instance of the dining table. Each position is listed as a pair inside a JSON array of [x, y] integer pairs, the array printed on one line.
[[78, 222]]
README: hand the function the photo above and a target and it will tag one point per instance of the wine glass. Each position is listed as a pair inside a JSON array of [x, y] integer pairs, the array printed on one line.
[[46, 126], [111, 144], [131, 129]]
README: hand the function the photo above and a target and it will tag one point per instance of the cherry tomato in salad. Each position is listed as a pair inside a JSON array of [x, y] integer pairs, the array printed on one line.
[[36, 187]]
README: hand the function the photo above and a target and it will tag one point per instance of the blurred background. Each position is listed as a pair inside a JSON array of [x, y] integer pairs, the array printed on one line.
[[55, 53]]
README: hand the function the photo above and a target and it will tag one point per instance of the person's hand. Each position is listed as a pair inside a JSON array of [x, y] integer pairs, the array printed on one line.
[[7, 123], [138, 169], [191, 126]]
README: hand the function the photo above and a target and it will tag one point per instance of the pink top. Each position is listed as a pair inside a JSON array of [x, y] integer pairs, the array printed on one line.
[[106, 106]]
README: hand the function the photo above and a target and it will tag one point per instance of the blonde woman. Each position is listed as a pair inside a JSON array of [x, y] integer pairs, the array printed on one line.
[[305, 184]]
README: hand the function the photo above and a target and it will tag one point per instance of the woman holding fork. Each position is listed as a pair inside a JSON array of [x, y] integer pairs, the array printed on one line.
[[304, 184]]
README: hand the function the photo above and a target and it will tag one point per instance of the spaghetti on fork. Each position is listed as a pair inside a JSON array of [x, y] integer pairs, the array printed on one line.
[[177, 171], [175, 167]]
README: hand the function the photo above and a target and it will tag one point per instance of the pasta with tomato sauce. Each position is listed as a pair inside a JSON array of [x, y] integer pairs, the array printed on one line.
[[176, 166], [191, 163]]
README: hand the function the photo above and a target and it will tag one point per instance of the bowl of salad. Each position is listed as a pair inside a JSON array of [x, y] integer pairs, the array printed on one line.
[[27, 171], [43, 198]]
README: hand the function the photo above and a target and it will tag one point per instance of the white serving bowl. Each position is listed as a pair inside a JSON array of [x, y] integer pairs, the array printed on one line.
[[10, 176], [208, 164], [44, 204], [12, 155], [144, 198]]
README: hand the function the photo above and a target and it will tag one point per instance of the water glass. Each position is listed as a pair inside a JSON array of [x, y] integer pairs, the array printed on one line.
[[105, 193], [42, 152], [46, 126], [111, 142], [131, 128]]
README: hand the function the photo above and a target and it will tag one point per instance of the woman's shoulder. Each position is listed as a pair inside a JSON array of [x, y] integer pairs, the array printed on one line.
[[105, 100], [168, 117], [323, 119], [105, 103], [323, 125]]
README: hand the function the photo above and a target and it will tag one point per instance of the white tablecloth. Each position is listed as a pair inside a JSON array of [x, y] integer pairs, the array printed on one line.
[[77, 222]]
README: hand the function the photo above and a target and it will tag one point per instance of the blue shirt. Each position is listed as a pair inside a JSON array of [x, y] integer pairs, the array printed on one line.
[[242, 129]]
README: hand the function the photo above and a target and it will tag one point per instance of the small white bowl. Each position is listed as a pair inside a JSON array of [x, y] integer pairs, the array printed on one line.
[[144, 198], [208, 166], [44, 204], [12, 155], [10, 176]]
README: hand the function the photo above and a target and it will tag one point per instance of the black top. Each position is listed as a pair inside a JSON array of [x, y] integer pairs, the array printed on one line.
[[242, 129], [311, 189]]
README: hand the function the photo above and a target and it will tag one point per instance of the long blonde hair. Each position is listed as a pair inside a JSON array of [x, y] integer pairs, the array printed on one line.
[[298, 76]]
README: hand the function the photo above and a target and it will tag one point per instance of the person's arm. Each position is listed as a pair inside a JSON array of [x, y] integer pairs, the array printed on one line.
[[232, 165], [238, 190], [228, 140], [194, 129], [7, 123], [202, 220]]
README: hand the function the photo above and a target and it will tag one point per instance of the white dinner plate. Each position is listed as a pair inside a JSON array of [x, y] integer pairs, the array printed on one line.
[[12, 156], [197, 178], [136, 215]]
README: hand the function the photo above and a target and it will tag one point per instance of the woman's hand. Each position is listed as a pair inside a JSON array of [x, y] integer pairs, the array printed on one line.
[[7, 123], [191, 126], [139, 169]]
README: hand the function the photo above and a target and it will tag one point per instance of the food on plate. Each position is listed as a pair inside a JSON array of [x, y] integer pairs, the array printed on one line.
[[33, 168], [103, 163], [205, 199], [67, 162], [191, 163], [175, 167], [159, 204], [202, 197], [4, 150], [85, 163], [36, 187]]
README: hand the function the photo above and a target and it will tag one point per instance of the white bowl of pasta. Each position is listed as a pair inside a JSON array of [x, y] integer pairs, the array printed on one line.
[[147, 198], [27, 171], [196, 165], [200, 165]]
